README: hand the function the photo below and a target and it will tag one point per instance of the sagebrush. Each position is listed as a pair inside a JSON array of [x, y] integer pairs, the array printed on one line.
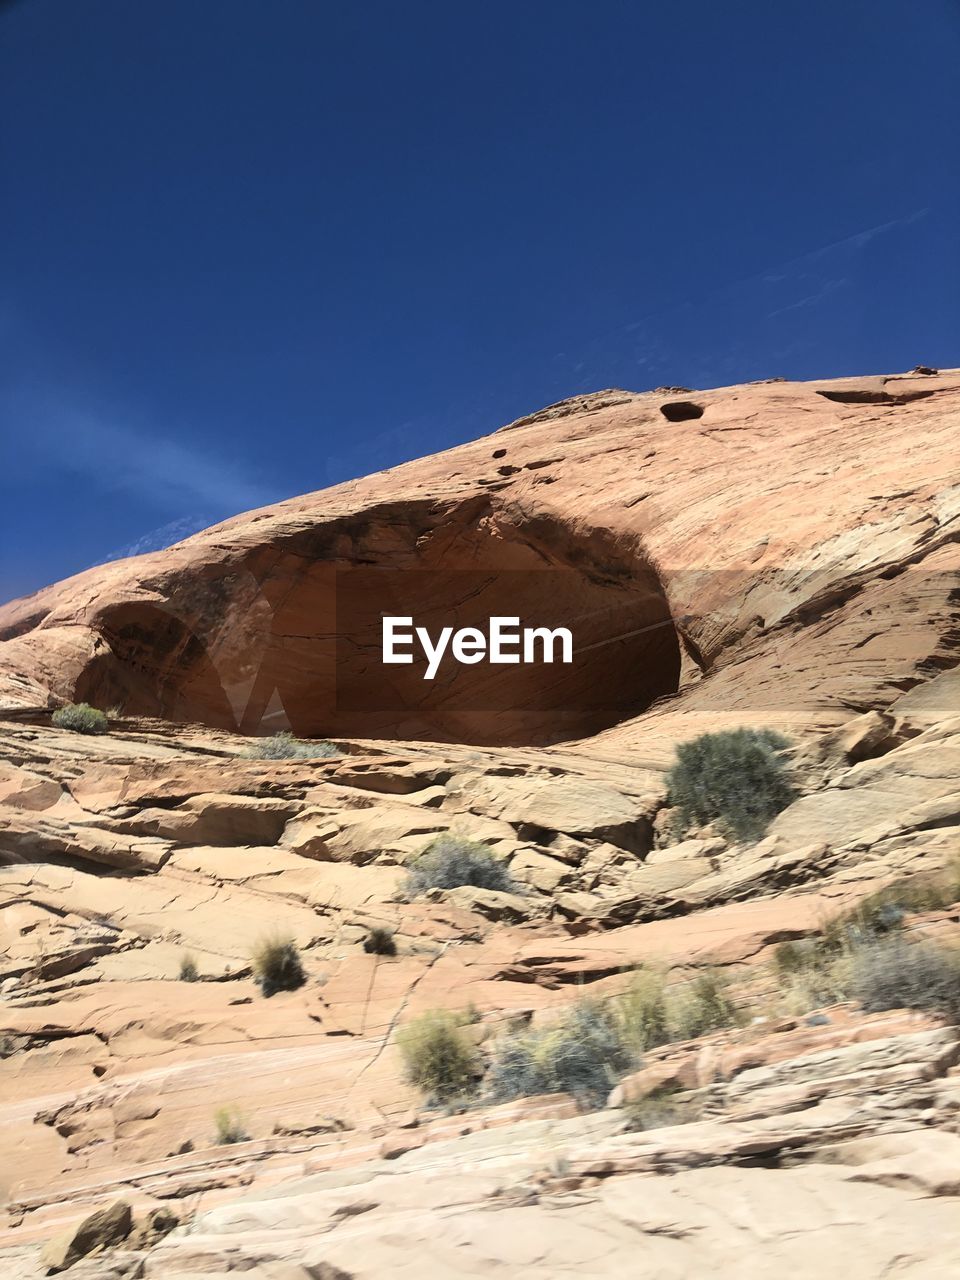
[[702, 1006], [642, 1011], [584, 1054], [885, 910], [661, 1109], [80, 717], [451, 861], [736, 778], [277, 965], [892, 973], [230, 1127], [439, 1058], [867, 956], [380, 942], [284, 746], [651, 1014]]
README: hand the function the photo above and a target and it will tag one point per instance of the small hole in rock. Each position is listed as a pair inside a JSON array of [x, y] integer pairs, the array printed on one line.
[[499, 453], [681, 410]]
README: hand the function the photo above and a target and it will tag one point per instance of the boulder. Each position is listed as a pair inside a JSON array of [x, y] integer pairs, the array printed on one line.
[[98, 1231], [490, 903]]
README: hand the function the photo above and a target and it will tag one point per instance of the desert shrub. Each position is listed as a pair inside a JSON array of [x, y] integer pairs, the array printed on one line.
[[380, 942], [703, 1005], [811, 972], [884, 911], [734, 777], [230, 1127], [439, 1058], [642, 1011], [284, 746], [893, 974], [80, 717], [277, 966], [188, 969], [450, 861], [585, 1055], [792, 957], [660, 1109]]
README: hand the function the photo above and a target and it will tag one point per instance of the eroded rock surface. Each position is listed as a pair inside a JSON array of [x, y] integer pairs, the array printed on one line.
[[796, 541], [800, 551]]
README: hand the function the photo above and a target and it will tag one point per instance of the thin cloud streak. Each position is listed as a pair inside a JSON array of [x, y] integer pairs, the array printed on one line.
[[829, 286], [161, 471], [160, 538]]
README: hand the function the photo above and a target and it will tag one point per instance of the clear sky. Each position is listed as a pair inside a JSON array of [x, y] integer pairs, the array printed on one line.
[[251, 248]]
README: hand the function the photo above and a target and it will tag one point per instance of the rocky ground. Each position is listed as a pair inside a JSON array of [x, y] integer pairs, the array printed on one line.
[[128, 851], [818, 1138]]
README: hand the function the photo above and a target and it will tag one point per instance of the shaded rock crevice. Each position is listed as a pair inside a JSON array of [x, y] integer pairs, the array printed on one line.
[[293, 639]]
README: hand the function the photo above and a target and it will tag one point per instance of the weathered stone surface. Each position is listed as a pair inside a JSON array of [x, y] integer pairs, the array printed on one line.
[[831, 562], [99, 1231], [255, 593]]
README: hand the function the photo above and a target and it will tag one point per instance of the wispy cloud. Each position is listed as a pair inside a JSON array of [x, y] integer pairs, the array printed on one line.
[[163, 536], [657, 343], [859, 239], [811, 299], [133, 458]]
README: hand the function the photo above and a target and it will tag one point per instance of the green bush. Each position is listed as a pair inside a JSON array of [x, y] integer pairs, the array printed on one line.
[[80, 717], [642, 1011], [891, 973], [284, 746], [884, 911], [277, 966], [380, 942], [230, 1127], [188, 969], [583, 1055], [702, 1006], [649, 1014], [734, 778], [810, 972], [662, 1108], [438, 1057], [450, 861]]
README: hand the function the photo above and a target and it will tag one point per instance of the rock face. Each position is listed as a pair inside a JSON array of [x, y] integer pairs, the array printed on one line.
[[94, 1234], [787, 524], [773, 555]]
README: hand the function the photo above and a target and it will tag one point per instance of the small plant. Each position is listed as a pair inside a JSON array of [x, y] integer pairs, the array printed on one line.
[[884, 911], [438, 1058], [642, 1011], [284, 746], [450, 861], [701, 1007], [735, 777], [277, 965], [583, 1055], [660, 1109], [893, 974], [810, 972], [380, 942], [188, 969], [80, 717], [230, 1127]]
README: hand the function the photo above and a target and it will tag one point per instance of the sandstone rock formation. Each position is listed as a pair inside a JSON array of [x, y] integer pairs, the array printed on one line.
[[776, 555], [776, 531]]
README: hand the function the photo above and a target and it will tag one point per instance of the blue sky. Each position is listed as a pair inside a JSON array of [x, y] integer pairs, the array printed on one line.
[[250, 248]]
